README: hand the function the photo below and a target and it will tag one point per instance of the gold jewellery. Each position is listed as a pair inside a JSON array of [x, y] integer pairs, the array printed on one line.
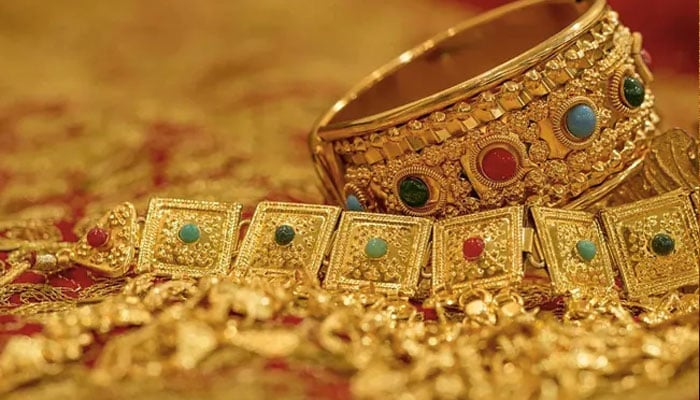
[[529, 292], [538, 102], [514, 226], [653, 245]]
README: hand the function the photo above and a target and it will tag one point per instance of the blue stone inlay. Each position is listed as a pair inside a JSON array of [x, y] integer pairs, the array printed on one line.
[[352, 203], [581, 121], [376, 248], [586, 249], [189, 233]]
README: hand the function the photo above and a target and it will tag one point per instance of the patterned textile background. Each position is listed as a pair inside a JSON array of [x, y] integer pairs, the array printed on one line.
[[110, 101]]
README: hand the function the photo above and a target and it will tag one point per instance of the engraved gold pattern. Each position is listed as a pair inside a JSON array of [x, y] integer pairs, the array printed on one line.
[[499, 265], [313, 227], [398, 271], [559, 231], [163, 252], [630, 229]]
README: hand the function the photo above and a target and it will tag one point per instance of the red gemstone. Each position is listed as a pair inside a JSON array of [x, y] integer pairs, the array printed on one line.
[[646, 57], [473, 248], [499, 164], [97, 237]]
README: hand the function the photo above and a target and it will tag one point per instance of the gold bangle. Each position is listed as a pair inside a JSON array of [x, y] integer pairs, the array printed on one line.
[[564, 110]]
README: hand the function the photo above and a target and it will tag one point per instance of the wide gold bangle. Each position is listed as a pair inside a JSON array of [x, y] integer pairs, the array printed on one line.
[[537, 102]]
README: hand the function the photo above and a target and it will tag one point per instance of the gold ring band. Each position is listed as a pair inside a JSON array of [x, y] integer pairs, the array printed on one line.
[[537, 102]]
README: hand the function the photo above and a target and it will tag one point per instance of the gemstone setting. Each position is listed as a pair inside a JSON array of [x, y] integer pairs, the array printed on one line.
[[189, 233], [633, 91], [414, 192], [581, 121], [376, 248], [352, 203], [284, 235], [473, 248], [586, 249], [662, 244], [499, 164], [97, 237]]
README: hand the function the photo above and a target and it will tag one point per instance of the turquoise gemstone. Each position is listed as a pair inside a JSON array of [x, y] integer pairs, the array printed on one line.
[[189, 233], [376, 248], [581, 121], [633, 90], [284, 234], [586, 249], [352, 203], [663, 244]]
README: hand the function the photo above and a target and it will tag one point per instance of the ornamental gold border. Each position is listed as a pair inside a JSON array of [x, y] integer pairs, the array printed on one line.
[[158, 207], [615, 223], [254, 240], [559, 123], [514, 268], [474, 155], [340, 258], [433, 206], [562, 279]]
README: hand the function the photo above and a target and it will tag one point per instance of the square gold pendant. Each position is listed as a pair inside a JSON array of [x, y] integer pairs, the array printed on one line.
[[383, 251], [188, 237], [284, 237], [482, 250], [574, 250], [655, 243]]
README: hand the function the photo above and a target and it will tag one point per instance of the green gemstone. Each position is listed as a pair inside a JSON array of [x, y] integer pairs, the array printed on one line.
[[189, 233], [284, 234], [586, 249], [663, 244], [633, 91], [414, 192], [376, 248]]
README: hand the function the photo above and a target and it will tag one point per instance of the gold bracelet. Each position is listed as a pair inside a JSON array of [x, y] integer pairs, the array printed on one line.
[[535, 102], [653, 244]]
